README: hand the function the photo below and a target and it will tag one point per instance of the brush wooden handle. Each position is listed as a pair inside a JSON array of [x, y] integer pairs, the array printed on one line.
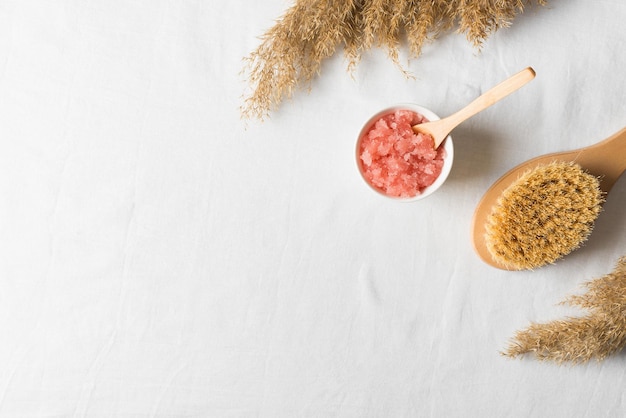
[[606, 160]]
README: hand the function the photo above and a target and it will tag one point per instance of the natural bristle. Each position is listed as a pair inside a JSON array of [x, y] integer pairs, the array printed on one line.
[[547, 213]]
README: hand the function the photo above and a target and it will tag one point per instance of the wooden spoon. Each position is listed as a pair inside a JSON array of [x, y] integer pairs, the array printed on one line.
[[605, 160], [440, 129]]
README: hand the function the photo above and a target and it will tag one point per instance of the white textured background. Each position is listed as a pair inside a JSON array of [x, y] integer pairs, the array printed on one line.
[[159, 258]]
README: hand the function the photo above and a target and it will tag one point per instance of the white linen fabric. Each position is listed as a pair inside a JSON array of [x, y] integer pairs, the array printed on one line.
[[161, 257]]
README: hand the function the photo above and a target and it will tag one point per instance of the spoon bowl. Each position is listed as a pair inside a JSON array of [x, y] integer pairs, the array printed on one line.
[[440, 129], [605, 160]]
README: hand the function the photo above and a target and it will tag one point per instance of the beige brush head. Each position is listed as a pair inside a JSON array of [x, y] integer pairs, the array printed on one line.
[[544, 215]]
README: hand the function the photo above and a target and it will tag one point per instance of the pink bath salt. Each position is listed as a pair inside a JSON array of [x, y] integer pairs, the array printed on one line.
[[397, 161]]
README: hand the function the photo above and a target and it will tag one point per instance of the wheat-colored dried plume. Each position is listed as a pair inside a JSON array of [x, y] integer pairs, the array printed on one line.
[[602, 332], [291, 52]]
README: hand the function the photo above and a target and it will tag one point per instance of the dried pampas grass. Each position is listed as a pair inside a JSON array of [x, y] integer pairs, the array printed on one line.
[[577, 340], [291, 52]]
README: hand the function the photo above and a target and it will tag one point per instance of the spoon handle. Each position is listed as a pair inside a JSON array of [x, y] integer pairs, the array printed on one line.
[[492, 95]]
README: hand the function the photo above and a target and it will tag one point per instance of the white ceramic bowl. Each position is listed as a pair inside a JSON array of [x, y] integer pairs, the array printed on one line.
[[447, 145]]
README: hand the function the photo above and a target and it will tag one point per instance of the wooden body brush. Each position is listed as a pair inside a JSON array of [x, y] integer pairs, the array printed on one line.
[[545, 208]]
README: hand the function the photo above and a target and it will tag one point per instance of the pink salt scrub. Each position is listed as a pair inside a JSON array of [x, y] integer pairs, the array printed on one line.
[[397, 161]]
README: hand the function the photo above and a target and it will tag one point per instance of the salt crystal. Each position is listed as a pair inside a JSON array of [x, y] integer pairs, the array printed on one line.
[[397, 161]]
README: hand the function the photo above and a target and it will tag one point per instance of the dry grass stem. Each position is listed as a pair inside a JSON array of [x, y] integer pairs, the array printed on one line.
[[599, 334], [291, 52]]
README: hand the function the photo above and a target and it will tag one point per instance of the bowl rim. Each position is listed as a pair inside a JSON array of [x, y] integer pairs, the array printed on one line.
[[447, 144]]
